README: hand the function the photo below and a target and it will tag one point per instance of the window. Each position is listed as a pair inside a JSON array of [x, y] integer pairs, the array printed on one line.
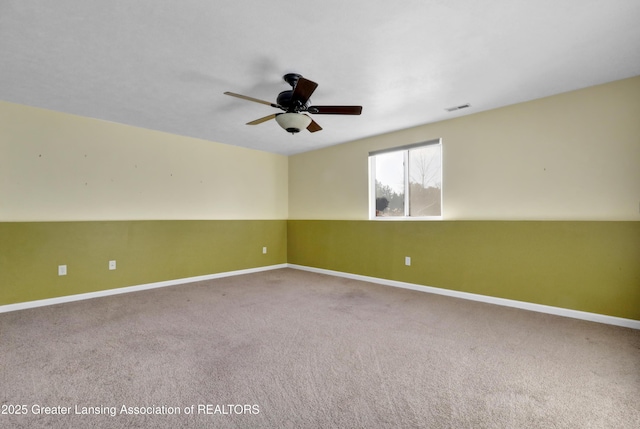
[[406, 182]]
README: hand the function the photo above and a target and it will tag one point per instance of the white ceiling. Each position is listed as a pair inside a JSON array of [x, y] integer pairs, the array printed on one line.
[[164, 65]]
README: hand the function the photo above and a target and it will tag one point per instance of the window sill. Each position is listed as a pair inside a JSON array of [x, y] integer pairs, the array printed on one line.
[[400, 218]]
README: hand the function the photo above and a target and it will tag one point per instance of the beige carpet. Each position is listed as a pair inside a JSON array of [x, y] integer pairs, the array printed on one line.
[[292, 349]]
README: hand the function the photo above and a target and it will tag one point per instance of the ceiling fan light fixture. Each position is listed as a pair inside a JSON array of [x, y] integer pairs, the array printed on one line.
[[293, 122], [296, 101]]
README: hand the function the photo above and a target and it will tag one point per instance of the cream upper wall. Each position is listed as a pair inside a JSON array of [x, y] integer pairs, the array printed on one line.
[[573, 156], [56, 166]]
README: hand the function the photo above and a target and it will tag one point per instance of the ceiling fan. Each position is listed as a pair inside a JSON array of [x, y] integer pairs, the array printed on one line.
[[296, 101]]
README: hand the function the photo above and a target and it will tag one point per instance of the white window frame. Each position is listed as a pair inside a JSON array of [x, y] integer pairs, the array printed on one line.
[[372, 182]]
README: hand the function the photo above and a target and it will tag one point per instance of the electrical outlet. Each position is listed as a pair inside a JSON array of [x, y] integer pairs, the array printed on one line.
[[264, 250], [112, 265], [407, 260], [62, 270]]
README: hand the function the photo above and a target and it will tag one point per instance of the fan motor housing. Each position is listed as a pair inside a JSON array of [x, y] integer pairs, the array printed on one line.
[[285, 99]]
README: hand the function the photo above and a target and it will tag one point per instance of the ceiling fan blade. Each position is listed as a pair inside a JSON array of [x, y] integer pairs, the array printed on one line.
[[261, 120], [313, 126], [335, 110], [303, 90], [244, 97]]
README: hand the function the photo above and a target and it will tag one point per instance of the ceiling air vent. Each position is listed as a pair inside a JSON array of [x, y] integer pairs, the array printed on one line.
[[454, 108]]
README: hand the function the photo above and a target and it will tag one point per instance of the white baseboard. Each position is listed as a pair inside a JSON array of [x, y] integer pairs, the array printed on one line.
[[558, 311], [109, 292]]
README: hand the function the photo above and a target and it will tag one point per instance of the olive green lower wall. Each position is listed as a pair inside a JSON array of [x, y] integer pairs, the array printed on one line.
[[145, 252], [585, 266]]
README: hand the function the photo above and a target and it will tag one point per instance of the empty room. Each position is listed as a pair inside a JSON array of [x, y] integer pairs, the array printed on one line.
[[320, 215]]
